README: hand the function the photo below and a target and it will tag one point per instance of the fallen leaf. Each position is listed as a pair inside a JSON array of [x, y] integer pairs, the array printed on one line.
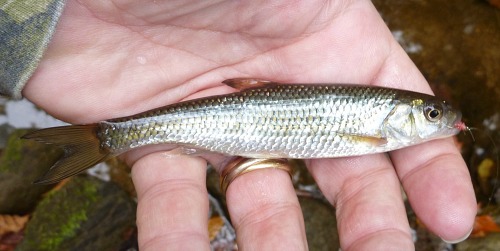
[[483, 225], [215, 224], [12, 223], [9, 241], [485, 167], [495, 3]]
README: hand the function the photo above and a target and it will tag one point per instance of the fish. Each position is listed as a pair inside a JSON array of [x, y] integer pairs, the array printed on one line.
[[264, 119]]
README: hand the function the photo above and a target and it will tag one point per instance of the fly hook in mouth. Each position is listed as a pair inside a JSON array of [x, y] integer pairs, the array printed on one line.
[[462, 127]]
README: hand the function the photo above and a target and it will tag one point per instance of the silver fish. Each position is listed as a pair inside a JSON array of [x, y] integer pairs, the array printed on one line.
[[264, 120]]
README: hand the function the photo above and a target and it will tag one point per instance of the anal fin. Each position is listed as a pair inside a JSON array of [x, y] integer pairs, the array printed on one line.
[[183, 150]]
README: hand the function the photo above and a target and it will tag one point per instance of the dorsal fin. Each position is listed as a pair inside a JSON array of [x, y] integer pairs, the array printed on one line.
[[247, 83]]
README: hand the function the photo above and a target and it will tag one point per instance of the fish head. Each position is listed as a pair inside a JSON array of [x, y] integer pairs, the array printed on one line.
[[435, 119], [419, 119]]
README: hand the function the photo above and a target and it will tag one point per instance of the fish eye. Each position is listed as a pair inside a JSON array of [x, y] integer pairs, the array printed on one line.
[[433, 113]]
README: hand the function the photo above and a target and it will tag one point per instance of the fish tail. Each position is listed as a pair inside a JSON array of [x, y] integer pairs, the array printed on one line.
[[81, 147]]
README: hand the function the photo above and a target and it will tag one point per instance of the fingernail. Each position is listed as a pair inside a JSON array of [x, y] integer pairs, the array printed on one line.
[[458, 240]]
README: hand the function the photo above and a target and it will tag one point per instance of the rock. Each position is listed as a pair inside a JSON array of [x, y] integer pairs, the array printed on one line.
[[301, 176], [491, 242], [22, 162], [5, 131], [119, 173], [85, 214], [321, 224], [456, 45], [220, 231], [213, 187], [319, 217]]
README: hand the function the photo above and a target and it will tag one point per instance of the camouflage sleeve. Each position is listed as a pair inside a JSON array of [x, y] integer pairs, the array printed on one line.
[[25, 30]]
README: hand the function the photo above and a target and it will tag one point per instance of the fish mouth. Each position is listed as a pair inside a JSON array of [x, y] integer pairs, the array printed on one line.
[[457, 122]]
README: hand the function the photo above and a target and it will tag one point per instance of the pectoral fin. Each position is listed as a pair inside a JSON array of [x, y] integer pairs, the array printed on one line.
[[369, 140], [247, 83]]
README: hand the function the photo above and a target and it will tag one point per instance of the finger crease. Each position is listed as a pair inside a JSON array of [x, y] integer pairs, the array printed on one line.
[[171, 237], [385, 231], [171, 186], [427, 164], [268, 211], [353, 186]]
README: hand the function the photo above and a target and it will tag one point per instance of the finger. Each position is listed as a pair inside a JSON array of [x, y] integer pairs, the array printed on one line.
[[439, 187], [265, 211], [367, 196], [172, 212]]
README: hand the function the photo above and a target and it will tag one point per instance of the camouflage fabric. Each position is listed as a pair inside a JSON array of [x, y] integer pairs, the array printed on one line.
[[26, 27]]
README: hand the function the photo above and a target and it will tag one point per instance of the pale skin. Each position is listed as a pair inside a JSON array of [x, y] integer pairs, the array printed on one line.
[[115, 58]]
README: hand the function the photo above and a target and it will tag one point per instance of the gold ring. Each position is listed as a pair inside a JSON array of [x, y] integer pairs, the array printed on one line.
[[240, 165]]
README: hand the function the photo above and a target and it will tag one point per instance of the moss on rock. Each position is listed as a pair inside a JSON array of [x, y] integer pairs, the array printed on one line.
[[21, 163], [86, 214]]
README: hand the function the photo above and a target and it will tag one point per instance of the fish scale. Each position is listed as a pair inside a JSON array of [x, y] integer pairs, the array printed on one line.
[[276, 121], [268, 120]]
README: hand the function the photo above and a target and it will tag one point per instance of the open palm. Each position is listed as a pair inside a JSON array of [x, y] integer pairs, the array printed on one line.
[[116, 58]]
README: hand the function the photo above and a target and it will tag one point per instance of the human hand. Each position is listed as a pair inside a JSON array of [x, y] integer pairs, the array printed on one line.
[[112, 59]]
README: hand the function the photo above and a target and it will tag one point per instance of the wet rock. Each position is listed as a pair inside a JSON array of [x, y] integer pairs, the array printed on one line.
[[320, 223], [213, 180], [490, 242], [221, 233], [85, 214], [213, 187], [319, 217], [119, 173], [22, 162], [5, 131], [425, 240], [301, 176], [495, 3], [456, 45], [304, 183]]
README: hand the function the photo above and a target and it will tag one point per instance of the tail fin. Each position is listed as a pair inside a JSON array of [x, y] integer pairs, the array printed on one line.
[[81, 150]]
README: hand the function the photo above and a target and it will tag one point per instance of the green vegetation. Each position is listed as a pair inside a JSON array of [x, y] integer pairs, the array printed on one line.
[[59, 217]]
